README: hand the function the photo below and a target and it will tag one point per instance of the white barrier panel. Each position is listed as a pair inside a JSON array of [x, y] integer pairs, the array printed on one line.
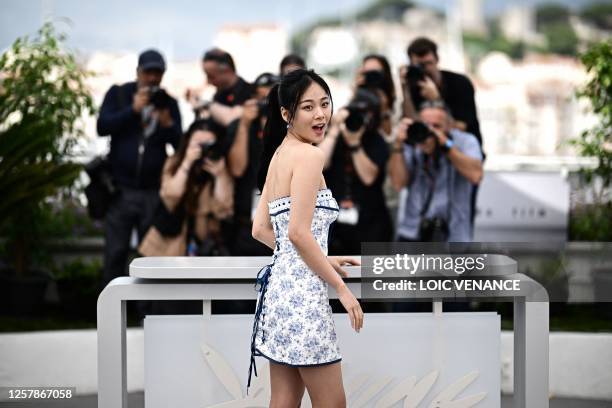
[[410, 360]]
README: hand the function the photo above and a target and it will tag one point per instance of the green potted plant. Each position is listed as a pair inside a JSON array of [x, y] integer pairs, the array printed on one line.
[[42, 100]]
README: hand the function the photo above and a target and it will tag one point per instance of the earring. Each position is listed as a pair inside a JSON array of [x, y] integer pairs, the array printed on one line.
[[288, 125]]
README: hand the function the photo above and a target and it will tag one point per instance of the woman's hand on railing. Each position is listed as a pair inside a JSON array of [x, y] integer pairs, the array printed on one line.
[[338, 261]]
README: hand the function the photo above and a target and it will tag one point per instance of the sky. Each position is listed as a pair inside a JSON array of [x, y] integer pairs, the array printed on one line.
[[183, 29]]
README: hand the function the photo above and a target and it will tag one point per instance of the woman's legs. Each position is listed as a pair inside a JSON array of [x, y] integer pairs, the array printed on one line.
[[287, 386], [324, 384]]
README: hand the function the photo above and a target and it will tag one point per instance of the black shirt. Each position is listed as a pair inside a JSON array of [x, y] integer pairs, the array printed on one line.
[[236, 94], [341, 176], [245, 185], [118, 120], [457, 92]]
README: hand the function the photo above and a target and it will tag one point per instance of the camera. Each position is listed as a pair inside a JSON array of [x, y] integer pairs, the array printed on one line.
[[364, 110], [433, 230], [357, 115], [210, 150], [373, 79], [414, 75], [159, 98], [417, 133]]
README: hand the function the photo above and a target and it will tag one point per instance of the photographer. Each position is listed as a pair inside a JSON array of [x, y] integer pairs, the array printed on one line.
[[355, 171], [424, 81], [246, 136], [196, 195], [439, 165], [141, 118]]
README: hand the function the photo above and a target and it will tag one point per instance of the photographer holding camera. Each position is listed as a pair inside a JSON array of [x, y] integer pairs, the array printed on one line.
[[423, 81], [196, 195], [246, 137], [355, 172], [439, 165], [141, 118]]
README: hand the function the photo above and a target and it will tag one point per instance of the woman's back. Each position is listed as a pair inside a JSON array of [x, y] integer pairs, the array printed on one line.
[[280, 171]]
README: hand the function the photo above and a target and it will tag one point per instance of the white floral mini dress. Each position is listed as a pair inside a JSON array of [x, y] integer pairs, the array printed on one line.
[[293, 322]]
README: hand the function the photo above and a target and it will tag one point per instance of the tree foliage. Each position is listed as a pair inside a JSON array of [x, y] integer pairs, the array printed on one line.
[[599, 14], [42, 99], [596, 221]]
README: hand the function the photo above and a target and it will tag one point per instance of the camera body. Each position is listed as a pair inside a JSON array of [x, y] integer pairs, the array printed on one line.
[[159, 98], [210, 150], [357, 115], [417, 133], [373, 79], [414, 75], [364, 110]]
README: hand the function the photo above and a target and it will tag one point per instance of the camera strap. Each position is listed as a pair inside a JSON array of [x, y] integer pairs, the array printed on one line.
[[145, 130], [449, 190], [449, 184], [430, 193]]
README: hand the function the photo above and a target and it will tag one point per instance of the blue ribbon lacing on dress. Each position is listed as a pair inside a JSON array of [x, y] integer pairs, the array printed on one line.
[[261, 285]]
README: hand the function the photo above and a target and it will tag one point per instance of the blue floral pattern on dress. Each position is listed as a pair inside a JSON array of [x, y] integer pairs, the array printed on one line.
[[296, 325]]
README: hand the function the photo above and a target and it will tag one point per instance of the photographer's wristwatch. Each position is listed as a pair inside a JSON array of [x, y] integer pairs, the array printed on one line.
[[447, 146], [354, 148]]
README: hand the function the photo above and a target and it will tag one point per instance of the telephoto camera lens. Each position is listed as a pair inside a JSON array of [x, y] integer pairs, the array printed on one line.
[[417, 133], [355, 119], [159, 98], [415, 74], [210, 150]]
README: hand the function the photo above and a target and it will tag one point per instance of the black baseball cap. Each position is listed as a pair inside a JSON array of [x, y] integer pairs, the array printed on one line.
[[151, 59]]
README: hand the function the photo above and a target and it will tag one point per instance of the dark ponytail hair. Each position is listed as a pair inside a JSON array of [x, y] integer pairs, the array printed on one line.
[[286, 94]]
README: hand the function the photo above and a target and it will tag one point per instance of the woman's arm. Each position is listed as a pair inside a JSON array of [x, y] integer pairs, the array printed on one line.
[[173, 185], [262, 226], [366, 169], [224, 183], [224, 115], [238, 156]]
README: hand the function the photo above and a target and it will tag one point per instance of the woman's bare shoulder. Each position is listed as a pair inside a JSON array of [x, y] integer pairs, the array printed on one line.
[[307, 154]]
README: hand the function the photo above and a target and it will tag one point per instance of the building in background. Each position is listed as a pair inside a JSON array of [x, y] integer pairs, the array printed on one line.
[[518, 23], [256, 48]]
